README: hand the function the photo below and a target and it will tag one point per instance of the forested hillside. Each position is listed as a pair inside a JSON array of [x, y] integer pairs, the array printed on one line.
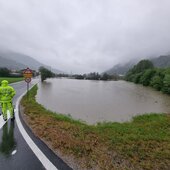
[[161, 62], [146, 74]]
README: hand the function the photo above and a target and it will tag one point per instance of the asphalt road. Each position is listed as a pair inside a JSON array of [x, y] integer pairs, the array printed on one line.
[[15, 154]]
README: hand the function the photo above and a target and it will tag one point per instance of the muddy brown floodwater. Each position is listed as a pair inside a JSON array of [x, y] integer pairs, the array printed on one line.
[[98, 101]]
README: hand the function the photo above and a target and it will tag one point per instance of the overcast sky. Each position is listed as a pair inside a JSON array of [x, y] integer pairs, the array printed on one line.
[[85, 35]]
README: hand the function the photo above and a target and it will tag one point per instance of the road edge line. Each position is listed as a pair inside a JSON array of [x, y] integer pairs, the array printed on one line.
[[39, 154]]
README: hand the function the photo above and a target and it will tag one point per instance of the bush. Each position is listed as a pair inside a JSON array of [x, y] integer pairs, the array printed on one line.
[[156, 82], [136, 78], [144, 73], [146, 77], [4, 72], [166, 84]]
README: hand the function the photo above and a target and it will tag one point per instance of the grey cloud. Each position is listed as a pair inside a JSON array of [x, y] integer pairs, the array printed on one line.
[[84, 36]]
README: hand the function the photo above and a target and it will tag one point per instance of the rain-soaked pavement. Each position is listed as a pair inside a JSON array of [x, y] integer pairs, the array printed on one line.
[[15, 154]]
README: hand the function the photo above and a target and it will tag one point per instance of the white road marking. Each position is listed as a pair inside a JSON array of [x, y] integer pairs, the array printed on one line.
[[18, 82], [14, 152], [2, 122], [40, 155]]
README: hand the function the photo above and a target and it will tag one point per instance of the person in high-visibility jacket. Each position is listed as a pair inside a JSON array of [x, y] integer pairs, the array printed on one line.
[[6, 96]]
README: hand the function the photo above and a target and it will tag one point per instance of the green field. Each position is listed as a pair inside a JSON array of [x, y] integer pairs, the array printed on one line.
[[143, 143], [11, 79]]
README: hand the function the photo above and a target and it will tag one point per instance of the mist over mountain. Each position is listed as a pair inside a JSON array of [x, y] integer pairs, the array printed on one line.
[[161, 61], [11, 64], [17, 61], [121, 69]]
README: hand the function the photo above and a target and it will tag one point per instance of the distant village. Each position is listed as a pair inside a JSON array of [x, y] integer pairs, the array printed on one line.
[[5, 72]]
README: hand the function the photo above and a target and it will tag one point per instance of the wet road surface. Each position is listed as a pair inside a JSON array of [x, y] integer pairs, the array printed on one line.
[[15, 154]]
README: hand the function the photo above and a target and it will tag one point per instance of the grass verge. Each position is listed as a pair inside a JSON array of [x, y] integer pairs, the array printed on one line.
[[143, 143], [11, 79]]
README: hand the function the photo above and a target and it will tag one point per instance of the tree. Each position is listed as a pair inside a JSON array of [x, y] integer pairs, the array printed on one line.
[[135, 73], [78, 76], [93, 76], [142, 66], [136, 78], [156, 82], [4, 72], [146, 77], [45, 73], [105, 76], [166, 84]]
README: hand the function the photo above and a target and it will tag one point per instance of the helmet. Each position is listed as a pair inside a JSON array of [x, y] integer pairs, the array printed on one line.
[[4, 83]]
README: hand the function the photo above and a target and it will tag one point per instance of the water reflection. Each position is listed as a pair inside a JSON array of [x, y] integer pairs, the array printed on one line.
[[8, 143], [46, 84]]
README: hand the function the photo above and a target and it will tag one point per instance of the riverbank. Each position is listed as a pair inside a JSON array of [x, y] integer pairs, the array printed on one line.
[[143, 143], [11, 79]]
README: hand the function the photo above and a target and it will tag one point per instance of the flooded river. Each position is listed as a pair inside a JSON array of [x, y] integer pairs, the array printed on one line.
[[97, 101]]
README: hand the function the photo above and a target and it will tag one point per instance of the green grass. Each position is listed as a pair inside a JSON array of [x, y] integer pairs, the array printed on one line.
[[11, 79], [143, 143]]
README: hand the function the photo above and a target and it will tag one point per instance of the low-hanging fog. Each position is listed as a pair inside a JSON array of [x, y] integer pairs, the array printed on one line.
[[85, 35]]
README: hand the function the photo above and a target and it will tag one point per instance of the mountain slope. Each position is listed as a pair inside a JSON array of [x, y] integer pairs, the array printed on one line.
[[161, 61], [11, 64], [23, 59], [20, 61], [121, 69]]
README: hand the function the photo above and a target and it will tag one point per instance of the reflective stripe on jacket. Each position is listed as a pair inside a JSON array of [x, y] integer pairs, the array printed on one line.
[[6, 93]]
